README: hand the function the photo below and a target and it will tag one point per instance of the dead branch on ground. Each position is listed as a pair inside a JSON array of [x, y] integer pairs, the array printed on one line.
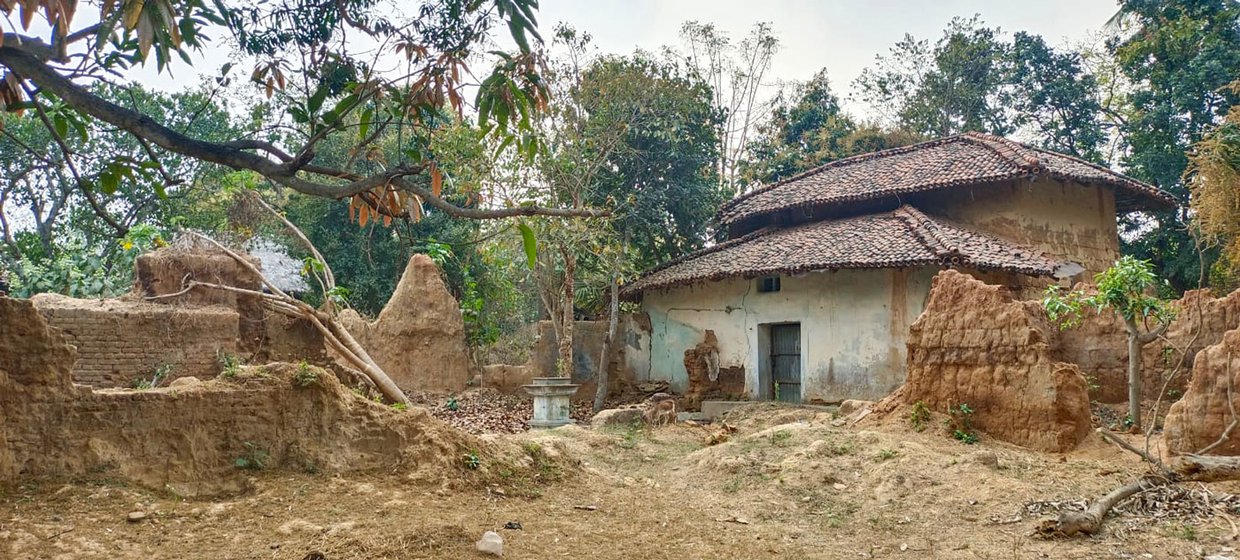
[[1197, 466]]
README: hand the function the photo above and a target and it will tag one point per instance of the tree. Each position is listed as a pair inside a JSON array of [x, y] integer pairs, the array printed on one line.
[[1177, 56], [734, 72], [808, 128], [972, 79], [57, 237], [1123, 289], [950, 88], [659, 179], [1214, 181], [355, 93]]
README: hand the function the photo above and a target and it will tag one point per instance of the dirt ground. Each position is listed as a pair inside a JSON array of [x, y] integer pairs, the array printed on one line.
[[787, 484]]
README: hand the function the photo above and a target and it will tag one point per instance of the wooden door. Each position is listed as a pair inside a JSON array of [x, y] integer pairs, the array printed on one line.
[[786, 362]]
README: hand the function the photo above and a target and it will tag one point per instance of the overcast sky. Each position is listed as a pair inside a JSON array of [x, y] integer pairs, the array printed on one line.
[[841, 35]]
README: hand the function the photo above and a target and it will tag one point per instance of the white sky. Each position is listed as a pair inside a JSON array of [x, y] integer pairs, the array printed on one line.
[[841, 35]]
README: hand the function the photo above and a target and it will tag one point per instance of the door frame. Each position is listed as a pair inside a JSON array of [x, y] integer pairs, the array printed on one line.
[[766, 377]]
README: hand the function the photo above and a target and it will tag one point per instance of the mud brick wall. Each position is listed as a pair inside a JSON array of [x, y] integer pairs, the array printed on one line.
[[119, 341], [975, 345], [1202, 416], [187, 437], [1099, 346]]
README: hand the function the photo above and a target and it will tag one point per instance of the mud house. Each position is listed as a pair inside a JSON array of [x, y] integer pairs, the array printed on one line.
[[811, 296]]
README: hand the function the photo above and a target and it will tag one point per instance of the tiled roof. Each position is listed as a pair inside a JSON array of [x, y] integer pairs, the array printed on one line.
[[899, 238], [966, 159]]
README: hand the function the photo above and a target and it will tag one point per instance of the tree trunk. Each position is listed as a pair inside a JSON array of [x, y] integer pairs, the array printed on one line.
[[564, 365], [1134, 377], [604, 361], [1089, 522]]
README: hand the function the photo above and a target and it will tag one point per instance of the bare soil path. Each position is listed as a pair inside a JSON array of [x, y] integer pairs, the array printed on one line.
[[788, 484]]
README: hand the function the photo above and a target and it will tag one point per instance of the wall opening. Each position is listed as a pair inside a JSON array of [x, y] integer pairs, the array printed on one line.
[[779, 362]]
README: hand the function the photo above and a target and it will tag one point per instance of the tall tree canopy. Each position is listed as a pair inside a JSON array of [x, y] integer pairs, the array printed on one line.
[[1177, 56], [973, 79], [808, 128], [660, 178]]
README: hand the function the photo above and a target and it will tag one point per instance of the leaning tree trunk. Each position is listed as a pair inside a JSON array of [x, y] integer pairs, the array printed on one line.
[[604, 361], [564, 365]]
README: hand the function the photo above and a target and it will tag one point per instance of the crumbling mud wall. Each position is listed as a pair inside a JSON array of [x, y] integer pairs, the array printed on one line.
[[974, 344], [121, 341], [707, 380], [1099, 346], [1202, 416], [419, 337], [161, 272], [189, 438], [544, 353]]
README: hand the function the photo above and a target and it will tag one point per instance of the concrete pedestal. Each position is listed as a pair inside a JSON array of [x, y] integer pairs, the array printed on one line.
[[551, 401]]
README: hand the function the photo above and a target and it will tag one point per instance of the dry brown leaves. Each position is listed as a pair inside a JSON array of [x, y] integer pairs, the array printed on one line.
[[480, 411], [1170, 502]]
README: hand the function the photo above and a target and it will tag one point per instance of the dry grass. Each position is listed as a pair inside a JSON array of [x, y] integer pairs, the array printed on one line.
[[803, 489]]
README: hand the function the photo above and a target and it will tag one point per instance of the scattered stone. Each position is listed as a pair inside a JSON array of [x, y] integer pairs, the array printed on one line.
[[187, 381], [840, 486], [135, 516], [491, 543], [853, 405]]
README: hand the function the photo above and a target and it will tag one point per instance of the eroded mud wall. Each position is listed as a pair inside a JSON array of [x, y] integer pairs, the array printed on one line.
[[975, 345], [189, 437], [119, 342]]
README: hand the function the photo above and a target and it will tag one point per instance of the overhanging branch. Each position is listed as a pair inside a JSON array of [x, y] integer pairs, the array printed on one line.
[[236, 155]]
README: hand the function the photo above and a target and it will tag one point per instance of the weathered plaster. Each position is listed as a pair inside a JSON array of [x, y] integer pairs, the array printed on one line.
[[853, 328], [1068, 220]]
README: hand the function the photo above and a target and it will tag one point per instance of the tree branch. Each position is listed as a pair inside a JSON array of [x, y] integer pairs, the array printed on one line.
[[283, 172]]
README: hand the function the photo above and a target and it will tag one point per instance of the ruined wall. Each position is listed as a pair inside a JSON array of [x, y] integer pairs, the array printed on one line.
[[853, 326], [419, 337], [161, 272], [1063, 219], [975, 345], [1100, 347], [120, 341], [189, 437], [544, 353], [707, 380], [1201, 417]]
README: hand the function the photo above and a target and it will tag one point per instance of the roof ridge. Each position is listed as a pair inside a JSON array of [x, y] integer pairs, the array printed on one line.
[[837, 163], [926, 230], [1007, 149]]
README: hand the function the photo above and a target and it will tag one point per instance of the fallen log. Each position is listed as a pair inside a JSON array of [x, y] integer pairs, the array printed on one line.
[[1089, 522], [1207, 468]]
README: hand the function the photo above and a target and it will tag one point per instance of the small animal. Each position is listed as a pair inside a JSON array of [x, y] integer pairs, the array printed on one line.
[[660, 410]]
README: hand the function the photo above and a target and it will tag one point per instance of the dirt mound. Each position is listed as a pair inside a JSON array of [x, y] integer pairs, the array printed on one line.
[[975, 345], [419, 337], [1203, 414]]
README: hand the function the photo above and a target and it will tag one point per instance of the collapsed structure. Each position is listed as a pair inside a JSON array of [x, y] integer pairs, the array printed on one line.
[[162, 332], [191, 437]]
